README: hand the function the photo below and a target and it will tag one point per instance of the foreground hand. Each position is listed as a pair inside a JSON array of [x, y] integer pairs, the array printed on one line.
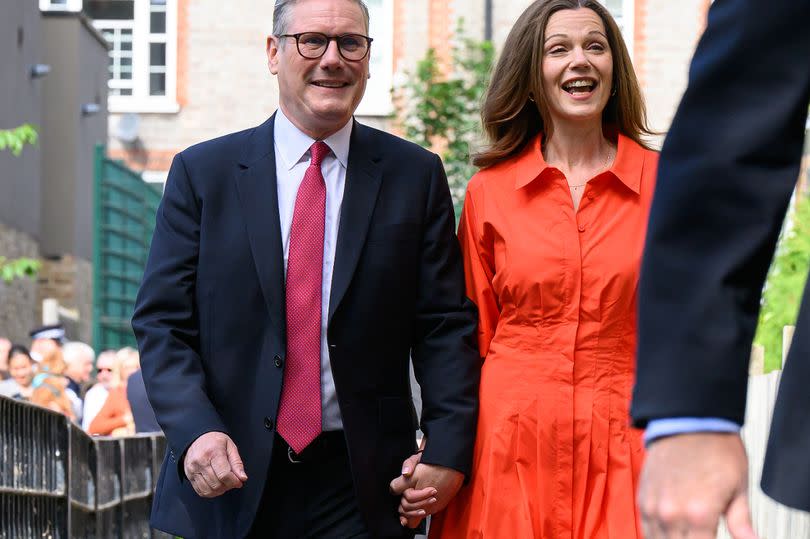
[[425, 489], [689, 481], [213, 465]]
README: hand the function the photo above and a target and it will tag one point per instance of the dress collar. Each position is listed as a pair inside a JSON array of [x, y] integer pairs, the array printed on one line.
[[627, 166]]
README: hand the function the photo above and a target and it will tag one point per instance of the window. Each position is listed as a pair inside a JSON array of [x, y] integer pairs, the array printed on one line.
[[623, 11], [377, 99], [60, 5], [143, 56]]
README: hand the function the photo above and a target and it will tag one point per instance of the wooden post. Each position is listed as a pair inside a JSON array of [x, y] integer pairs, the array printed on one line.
[[757, 364], [787, 338]]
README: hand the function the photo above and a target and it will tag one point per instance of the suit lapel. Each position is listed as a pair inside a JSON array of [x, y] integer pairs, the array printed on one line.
[[363, 179], [258, 196]]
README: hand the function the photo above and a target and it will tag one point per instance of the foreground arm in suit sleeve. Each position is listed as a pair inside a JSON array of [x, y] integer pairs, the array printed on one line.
[[167, 327], [445, 356], [726, 174]]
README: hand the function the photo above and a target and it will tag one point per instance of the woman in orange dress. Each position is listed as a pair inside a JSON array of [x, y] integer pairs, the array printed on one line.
[[552, 234], [115, 416]]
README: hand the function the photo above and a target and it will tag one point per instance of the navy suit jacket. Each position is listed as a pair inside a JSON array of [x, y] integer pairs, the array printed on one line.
[[726, 174], [210, 322]]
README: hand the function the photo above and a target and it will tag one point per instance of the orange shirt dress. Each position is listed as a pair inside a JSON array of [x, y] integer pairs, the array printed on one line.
[[555, 456]]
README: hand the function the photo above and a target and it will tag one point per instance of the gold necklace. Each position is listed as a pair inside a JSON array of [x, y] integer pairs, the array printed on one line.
[[604, 166]]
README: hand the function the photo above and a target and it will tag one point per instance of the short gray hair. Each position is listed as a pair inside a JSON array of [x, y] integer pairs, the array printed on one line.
[[281, 15], [74, 350]]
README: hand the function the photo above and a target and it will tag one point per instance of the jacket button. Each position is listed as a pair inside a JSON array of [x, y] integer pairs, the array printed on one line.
[[278, 362], [268, 423]]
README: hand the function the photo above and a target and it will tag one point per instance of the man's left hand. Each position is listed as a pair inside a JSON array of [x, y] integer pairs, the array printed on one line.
[[425, 489]]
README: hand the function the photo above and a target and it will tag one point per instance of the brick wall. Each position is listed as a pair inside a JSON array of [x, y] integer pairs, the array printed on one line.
[[669, 35], [18, 298], [69, 280]]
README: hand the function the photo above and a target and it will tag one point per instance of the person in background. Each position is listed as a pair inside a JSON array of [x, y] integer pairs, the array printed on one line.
[[21, 369], [96, 395], [728, 172], [115, 417], [79, 359], [551, 234], [45, 339], [142, 412], [50, 384], [5, 346]]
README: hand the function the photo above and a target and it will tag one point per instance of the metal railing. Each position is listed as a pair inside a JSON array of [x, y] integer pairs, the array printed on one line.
[[57, 482]]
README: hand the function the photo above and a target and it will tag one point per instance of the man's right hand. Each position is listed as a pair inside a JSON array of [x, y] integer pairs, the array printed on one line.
[[690, 481], [213, 466]]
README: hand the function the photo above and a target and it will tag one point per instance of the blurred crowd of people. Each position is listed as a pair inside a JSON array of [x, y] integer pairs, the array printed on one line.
[[59, 375]]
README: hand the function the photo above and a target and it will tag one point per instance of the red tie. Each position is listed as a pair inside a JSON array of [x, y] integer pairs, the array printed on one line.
[[299, 418]]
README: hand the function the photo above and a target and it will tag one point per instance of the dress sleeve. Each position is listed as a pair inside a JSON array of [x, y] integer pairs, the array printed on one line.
[[479, 269]]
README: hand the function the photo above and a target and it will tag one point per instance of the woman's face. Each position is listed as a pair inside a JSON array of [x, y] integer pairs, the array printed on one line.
[[20, 369], [577, 66]]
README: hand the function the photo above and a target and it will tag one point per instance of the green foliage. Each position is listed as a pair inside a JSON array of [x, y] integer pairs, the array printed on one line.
[[785, 285], [18, 267], [16, 139], [444, 111]]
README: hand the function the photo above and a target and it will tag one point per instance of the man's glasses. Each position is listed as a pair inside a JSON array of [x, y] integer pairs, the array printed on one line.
[[313, 45]]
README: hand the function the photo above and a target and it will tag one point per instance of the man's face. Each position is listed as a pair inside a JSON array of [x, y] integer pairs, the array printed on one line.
[[80, 368], [319, 96]]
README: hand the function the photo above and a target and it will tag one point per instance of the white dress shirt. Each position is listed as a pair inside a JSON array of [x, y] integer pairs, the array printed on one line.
[[292, 160]]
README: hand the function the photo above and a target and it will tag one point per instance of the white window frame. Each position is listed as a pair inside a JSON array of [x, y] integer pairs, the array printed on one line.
[[71, 5], [140, 101], [377, 99]]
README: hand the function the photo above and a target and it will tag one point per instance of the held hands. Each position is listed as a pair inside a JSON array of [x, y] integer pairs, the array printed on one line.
[[425, 489], [213, 465], [689, 481]]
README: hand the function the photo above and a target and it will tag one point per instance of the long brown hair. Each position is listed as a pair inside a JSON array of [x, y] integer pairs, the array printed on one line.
[[510, 119]]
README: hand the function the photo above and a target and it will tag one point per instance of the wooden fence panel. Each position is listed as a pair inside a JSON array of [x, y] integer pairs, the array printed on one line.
[[771, 519]]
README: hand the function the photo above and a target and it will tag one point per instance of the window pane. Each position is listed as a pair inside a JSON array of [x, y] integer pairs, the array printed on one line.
[[126, 91], [157, 84], [126, 45], [110, 9], [158, 22], [157, 54]]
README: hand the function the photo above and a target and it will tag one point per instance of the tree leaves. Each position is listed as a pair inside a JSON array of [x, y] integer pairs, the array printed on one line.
[[442, 111], [16, 139], [784, 287], [18, 268]]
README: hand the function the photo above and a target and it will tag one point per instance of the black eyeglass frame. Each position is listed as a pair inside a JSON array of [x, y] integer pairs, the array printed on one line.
[[329, 39]]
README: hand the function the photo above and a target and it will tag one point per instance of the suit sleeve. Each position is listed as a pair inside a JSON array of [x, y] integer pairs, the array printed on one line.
[[727, 171], [445, 356], [479, 270], [166, 320]]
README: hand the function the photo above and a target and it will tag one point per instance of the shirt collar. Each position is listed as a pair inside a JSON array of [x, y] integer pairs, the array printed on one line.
[[293, 144], [627, 166]]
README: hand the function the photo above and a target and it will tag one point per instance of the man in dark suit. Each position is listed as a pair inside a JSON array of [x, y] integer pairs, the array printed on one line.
[[295, 269], [727, 171]]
